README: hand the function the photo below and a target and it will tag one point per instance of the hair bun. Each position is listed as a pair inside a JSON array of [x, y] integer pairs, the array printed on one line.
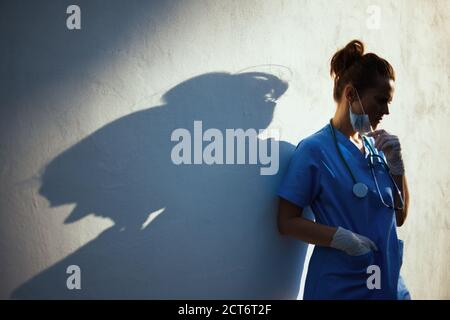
[[344, 58]]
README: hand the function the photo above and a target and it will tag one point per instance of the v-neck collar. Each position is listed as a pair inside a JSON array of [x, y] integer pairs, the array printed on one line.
[[342, 138]]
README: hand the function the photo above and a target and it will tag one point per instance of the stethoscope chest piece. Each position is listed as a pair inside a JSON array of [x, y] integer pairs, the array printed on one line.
[[360, 190]]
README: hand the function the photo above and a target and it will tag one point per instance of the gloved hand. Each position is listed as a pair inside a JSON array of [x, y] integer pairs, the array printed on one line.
[[352, 243], [390, 145]]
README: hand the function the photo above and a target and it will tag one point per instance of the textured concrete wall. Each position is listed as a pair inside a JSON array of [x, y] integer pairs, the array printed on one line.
[[85, 123]]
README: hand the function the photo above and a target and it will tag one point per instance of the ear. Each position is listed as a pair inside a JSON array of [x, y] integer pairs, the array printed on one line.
[[349, 92]]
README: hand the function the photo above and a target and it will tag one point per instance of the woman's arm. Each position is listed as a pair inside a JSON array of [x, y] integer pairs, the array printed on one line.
[[403, 186], [291, 222]]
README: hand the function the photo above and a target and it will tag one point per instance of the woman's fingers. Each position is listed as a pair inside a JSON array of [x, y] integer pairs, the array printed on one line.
[[369, 243], [384, 140], [380, 139], [387, 143], [376, 133]]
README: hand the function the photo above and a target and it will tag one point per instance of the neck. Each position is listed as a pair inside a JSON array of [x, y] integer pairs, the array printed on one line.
[[341, 121]]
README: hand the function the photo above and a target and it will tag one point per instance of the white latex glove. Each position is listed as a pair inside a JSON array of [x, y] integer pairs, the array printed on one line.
[[390, 145], [352, 243]]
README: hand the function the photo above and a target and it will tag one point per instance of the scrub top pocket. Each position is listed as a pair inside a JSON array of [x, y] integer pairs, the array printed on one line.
[[360, 262], [342, 276]]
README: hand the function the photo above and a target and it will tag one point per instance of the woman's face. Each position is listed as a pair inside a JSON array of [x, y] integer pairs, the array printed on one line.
[[375, 101]]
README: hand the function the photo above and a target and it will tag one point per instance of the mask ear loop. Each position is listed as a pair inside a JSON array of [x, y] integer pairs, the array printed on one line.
[[360, 102]]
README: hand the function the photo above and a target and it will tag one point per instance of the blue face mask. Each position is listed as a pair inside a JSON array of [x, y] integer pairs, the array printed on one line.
[[359, 122]]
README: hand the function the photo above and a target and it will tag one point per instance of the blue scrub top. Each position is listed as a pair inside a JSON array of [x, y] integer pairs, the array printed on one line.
[[317, 177]]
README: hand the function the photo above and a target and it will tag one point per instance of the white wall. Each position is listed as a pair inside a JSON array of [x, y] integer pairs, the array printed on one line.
[[86, 118]]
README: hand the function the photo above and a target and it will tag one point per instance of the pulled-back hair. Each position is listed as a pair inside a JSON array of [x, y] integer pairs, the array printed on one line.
[[351, 65]]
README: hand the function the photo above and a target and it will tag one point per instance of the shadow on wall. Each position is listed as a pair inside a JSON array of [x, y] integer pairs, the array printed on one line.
[[215, 236]]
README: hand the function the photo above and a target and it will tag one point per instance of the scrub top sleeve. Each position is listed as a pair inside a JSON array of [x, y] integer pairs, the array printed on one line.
[[301, 182]]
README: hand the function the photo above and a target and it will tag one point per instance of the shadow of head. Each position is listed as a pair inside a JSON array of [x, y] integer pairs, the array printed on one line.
[[245, 100], [123, 170]]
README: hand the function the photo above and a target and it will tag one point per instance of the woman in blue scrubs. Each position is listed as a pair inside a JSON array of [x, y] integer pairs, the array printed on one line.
[[357, 208]]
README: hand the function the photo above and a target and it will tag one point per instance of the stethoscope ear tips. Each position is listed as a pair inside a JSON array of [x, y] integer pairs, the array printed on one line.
[[360, 190]]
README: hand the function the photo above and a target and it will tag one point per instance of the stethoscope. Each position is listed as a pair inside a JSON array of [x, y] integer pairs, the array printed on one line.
[[360, 189]]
